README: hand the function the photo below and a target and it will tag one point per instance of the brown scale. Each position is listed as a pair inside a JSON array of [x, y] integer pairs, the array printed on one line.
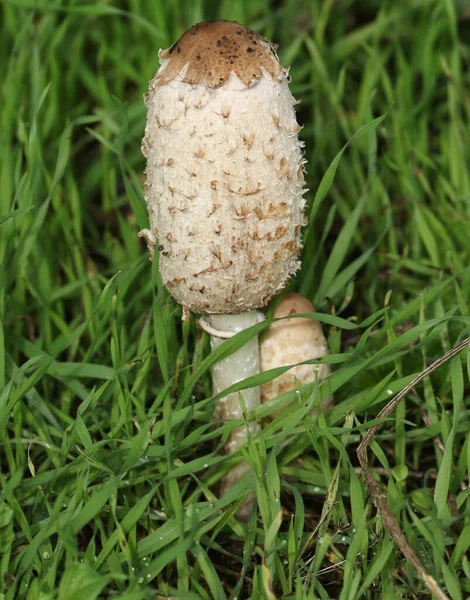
[[168, 162], [211, 211], [286, 251], [267, 299], [270, 236], [145, 145], [164, 251], [164, 124], [268, 154], [294, 130], [174, 190], [242, 212], [300, 177], [250, 189], [173, 283], [215, 49], [252, 256], [248, 139], [284, 169], [195, 288], [210, 269], [218, 254], [273, 211], [225, 112], [173, 209]]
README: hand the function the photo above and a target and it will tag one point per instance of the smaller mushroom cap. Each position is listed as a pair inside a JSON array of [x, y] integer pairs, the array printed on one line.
[[292, 341]]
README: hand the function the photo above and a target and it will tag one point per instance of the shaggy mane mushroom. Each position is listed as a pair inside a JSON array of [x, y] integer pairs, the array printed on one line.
[[224, 191]]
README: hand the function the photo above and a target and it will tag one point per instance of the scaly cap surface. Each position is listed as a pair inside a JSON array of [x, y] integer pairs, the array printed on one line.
[[225, 177]]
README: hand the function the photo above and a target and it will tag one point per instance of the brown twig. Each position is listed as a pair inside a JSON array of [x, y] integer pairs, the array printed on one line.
[[427, 422], [380, 498], [411, 474]]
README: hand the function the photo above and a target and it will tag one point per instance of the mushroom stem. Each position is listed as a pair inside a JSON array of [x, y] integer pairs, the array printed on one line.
[[234, 368]]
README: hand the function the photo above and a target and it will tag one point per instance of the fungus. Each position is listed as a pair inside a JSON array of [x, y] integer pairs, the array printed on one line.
[[219, 165], [292, 341]]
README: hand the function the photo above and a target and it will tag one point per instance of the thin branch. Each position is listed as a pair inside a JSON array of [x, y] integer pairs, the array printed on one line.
[[427, 422]]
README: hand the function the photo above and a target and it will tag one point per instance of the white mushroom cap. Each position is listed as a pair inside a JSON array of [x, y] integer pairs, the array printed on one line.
[[225, 178], [289, 342]]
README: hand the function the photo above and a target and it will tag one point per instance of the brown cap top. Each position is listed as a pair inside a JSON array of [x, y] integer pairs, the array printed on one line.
[[216, 48], [293, 303]]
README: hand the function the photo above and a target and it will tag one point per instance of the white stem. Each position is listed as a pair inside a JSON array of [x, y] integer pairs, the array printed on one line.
[[238, 366]]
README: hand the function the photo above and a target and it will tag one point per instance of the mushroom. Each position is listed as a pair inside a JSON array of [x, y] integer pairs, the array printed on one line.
[[224, 190], [292, 341]]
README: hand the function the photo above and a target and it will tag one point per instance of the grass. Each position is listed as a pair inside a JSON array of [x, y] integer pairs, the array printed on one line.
[[109, 462]]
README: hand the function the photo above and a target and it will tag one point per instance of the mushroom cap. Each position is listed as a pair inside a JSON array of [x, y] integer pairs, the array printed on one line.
[[225, 177], [215, 49], [289, 342]]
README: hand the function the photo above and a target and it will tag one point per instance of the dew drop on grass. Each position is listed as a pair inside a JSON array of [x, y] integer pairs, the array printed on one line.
[[46, 555], [140, 580], [389, 392]]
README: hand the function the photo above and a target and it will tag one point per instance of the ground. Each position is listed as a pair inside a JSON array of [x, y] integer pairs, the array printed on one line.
[[109, 461]]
